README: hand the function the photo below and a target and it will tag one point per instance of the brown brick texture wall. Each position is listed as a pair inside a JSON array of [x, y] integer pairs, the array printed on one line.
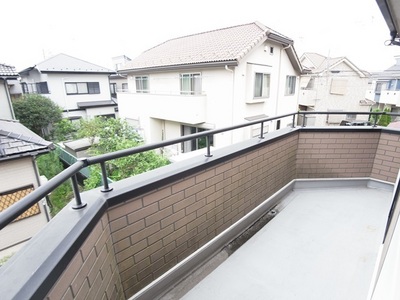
[[153, 232], [93, 272], [139, 240], [336, 154], [387, 158]]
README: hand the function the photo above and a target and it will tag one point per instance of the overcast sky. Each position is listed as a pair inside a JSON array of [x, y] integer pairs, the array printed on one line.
[[98, 30]]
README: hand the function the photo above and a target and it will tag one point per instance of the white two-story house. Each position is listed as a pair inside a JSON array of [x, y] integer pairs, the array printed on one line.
[[385, 88], [80, 88], [19, 174], [211, 80], [332, 84]]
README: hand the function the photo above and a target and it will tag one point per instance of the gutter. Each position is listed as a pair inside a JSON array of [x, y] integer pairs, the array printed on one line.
[[27, 154], [180, 67]]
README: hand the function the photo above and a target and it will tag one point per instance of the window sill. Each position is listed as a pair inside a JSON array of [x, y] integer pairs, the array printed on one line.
[[254, 101]]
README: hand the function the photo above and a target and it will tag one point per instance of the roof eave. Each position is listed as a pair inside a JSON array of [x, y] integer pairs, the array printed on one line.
[[279, 39], [390, 19], [294, 59], [201, 65], [77, 72], [26, 154]]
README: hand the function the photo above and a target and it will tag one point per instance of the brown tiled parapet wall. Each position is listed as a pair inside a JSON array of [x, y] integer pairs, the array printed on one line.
[[92, 273], [387, 158], [154, 231], [336, 154]]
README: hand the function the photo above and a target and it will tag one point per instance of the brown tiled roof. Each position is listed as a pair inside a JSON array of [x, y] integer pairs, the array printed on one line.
[[221, 45], [8, 71], [17, 140]]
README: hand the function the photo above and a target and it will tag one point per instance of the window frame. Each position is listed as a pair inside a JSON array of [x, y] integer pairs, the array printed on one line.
[[195, 83], [35, 88], [82, 88], [139, 84], [263, 94], [195, 144], [290, 85]]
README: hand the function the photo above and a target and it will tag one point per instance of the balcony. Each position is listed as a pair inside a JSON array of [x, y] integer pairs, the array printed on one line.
[[390, 97], [307, 97], [142, 235], [169, 107]]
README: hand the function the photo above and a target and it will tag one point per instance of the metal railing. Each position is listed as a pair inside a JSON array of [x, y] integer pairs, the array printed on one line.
[[12, 212]]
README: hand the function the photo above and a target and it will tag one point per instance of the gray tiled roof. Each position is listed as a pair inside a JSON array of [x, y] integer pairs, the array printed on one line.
[[68, 64], [321, 62], [17, 140], [221, 45], [8, 71]]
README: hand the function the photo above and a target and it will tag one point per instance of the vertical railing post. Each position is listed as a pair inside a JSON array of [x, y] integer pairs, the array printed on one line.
[[106, 188], [294, 119], [375, 119], [78, 200], [208, 142], [262, 130], [304, 120]]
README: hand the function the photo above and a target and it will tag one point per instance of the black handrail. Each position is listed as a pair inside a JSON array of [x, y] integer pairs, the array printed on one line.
[[12, 212]]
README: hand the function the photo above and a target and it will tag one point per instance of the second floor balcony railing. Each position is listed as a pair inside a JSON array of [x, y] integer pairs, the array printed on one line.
[[120, 237]]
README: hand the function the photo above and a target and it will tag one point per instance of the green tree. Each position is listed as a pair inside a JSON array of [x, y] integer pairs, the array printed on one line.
[[37, 112], [64, 130], [50, 165], [385, 120], [113, 135]]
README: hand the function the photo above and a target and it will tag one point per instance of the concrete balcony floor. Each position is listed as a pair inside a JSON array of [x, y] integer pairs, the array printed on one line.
[[323, 244]]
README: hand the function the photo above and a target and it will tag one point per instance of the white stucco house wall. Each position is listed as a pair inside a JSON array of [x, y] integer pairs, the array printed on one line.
[[19, 175], [385, 88], [80, 88], [332, 84], [210, 80], [8, 76]]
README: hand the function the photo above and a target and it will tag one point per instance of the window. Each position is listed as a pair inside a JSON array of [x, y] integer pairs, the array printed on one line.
[[338, 86], [73, 88], [113, 88], [196, 143], [124, 87], [142, 84], [190, 84], [393, 85], [35, 88], [290, 85], [261, 85]]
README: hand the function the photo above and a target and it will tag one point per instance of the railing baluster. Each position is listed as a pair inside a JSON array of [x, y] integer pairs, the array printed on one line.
[[106, 188], [304, 121], [262, 130], [208, 141], [294, 120], [75, 187]]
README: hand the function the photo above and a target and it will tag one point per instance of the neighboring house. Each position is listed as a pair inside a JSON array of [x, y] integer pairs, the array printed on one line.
[[8, 76], [119, 82], [332, 84], [210, 80], [80, 88], [385, 88], [19, 176]]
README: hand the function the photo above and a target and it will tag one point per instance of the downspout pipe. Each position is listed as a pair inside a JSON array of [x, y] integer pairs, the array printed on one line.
[[233, 96]]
